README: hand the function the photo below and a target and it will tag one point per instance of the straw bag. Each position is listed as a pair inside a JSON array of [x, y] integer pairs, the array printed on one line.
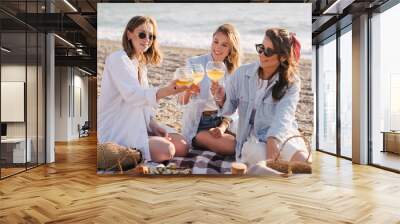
[[289, 167], [114, 157]]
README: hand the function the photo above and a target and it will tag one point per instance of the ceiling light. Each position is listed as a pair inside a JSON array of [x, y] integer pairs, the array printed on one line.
[[84, 71], [70, 5], [5, 50], [338, 6], [65, 41]]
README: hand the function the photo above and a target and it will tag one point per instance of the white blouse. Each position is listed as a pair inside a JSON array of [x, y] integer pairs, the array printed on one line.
[[125, 106], [210, 103]]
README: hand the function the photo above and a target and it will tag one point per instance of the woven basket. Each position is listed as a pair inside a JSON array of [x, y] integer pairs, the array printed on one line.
[[289, 167], [114, 157]]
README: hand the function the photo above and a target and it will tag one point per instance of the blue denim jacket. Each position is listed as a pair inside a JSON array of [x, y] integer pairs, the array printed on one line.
[[272, 118]]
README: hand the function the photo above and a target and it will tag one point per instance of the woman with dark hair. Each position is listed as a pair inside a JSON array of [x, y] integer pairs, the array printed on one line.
[[127, 102], [266, 94]]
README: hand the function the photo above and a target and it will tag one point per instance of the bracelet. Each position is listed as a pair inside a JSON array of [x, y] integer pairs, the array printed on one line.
[[226, 121]]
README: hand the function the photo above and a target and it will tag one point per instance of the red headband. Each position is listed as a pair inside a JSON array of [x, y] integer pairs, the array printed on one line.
[[296, 46]]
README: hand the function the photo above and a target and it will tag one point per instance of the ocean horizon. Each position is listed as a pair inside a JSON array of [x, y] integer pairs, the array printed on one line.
[[192, 24]]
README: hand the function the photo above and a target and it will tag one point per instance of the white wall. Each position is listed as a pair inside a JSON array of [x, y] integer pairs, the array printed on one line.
[[70, 83], [12, 73], [80, 99], [62, 81], [33, 127]]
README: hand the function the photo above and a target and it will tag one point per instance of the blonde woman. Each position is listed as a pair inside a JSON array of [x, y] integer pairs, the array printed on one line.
[[127, 102], [202, 124]]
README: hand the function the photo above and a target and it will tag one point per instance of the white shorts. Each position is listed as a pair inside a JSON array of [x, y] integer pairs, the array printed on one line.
[[254, 151], [292, 147]]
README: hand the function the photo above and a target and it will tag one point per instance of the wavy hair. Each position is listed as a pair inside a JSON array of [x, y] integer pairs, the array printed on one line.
[[153, 54], [232, 61], [287, 46]]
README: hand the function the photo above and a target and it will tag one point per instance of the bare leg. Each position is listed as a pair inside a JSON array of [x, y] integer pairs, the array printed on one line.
[[300, 156], [160, 149], [225, 145], [181, 146]]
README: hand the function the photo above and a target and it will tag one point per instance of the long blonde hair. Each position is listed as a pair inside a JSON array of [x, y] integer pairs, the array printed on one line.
[[232, 61], [153, 54]]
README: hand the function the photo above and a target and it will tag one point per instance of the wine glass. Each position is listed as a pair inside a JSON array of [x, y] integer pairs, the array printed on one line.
[[184, 77], [216, 72], [198, 75]]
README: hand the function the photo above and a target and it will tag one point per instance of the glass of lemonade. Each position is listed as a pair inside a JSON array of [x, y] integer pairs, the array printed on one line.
[[184, 77], [198, 75], [216, 72]]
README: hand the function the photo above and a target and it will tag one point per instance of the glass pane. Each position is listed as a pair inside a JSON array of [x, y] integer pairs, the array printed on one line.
[[41, 98], [13, 87], [385, 86], [327, 97], [31, 98], [346, 94]]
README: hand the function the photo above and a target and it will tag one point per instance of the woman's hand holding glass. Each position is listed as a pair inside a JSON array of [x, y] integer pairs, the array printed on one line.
[[175, 87], [218, 91], [198, 75], [192, 93], [171, 89]]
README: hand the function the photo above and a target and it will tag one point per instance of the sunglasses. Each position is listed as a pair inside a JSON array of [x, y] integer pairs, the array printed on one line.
[[268, 52], [143, 35]]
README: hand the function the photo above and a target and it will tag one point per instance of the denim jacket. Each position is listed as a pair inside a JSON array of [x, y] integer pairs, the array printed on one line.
[[193, 110], [272, 118]]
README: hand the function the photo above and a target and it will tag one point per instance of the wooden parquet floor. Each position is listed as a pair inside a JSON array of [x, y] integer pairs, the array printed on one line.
[[70, 191]]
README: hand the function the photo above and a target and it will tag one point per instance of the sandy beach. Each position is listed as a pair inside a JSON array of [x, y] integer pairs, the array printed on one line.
[[168, 112]]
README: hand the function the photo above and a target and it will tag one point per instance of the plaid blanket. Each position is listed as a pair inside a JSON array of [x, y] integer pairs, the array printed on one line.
[[205, 162], [200, 161]]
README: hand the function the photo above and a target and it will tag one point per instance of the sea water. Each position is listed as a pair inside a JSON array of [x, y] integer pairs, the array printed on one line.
[[191, 25]]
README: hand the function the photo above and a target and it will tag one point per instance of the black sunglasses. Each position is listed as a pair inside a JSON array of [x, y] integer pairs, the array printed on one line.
[[268, 52], [143, 35]]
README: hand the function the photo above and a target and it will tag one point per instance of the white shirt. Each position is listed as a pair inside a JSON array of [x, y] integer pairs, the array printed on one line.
[[210, 104], [261, 88], [125, 105]]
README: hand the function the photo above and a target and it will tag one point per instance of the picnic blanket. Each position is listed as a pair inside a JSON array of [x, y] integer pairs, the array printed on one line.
[[205, 162], [200, 161]]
